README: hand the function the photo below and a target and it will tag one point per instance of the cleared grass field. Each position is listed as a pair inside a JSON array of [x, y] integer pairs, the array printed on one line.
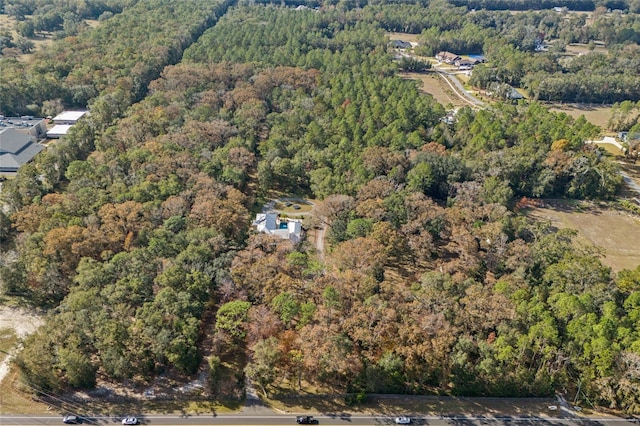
[[411, 38], [594, 113], [436, 87], [616, 232]]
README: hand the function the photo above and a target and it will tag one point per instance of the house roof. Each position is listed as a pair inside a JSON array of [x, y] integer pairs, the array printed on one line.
[[270, 223], [447, 55], [16, 149], [59, 130], [514, 94], [400, 44], [266, 221], [69, 116]]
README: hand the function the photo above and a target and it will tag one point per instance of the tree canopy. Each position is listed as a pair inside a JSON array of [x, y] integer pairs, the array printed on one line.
[[431, 282]]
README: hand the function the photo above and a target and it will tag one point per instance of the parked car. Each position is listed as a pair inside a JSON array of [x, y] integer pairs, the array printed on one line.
[[403, 420], [305, 420], [130, 421], [71, 420]]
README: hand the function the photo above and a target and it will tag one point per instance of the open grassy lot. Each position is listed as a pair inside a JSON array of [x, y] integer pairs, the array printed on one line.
[[581, 49], [41, 42], [436, 87], [411, 38], [616, 232], [594, 113]]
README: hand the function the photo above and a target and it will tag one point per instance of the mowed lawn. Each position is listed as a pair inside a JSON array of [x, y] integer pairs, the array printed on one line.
[[616, 232]]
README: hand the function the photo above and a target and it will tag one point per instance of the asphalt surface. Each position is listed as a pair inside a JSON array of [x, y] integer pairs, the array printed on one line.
[[459, 89], [339, 419], [630, 182]]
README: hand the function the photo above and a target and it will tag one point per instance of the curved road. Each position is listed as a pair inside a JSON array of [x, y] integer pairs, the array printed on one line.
[[459, 89]]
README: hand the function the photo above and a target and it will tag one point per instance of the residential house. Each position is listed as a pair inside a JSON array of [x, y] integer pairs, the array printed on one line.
[[16, 149], [447, 57], [464, 64], [514, 95], [270, 223], [399, 44]]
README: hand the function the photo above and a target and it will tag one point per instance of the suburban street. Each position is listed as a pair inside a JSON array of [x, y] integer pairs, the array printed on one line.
[[287, 420]]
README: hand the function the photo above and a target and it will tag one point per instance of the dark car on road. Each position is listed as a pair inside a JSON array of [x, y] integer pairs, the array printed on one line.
[[305, 420], [71, 420]]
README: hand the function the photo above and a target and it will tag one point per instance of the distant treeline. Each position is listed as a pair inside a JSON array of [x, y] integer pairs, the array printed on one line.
[[577, 5]]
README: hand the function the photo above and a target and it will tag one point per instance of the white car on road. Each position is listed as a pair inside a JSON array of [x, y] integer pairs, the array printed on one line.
[[402, 420], [129, 421]]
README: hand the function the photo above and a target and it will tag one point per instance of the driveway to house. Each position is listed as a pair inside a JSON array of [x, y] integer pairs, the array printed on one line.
[[632, 184], [459, 89], [320, 240]]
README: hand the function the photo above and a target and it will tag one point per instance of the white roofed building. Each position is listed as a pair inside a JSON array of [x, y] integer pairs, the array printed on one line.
[[58, 131], [287, 229], [68, 117]]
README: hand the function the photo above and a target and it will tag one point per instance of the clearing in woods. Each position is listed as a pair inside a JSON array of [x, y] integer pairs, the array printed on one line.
[[431, 83], [434, 85], [594, 113], [616, 232]]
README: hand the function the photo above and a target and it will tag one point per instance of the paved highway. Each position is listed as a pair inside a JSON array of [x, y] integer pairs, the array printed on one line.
[[289, 420]]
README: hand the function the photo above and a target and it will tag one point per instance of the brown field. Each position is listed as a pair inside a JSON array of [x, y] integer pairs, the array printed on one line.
[[616, 232], [41, 41], [411, 38], [8, 24], [433, 85], [578, 49], [594, 113], [611, 149]]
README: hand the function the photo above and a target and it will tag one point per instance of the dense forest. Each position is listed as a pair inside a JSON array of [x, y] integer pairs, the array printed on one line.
[[432, 280]]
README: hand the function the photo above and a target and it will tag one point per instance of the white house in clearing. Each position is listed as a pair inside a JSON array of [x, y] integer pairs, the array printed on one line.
[[270, 223]]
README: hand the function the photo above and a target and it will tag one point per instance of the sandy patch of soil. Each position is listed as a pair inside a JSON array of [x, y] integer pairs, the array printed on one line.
[[22, 323]]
